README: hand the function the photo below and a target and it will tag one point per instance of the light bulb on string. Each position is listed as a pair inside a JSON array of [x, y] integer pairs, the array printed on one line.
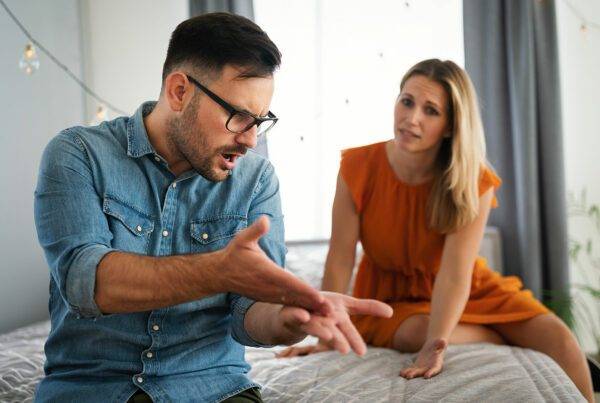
[[29, 62], [100, 115]]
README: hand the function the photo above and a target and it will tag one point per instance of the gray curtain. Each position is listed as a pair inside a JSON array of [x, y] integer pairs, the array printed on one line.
[[240, 7], [511, 54]]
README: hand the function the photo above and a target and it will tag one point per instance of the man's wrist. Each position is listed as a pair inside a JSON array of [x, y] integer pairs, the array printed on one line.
[[284, 333], [208, 273], [264, 322]]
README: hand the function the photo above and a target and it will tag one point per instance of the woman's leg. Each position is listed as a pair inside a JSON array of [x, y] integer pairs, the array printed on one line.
[[549, 335], [411, 334]]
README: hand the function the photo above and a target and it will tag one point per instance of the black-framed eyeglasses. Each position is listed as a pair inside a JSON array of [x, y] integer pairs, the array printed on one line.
[[239, 121]]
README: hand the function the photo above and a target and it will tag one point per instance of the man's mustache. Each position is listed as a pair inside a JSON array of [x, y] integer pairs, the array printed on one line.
[[241, 150]]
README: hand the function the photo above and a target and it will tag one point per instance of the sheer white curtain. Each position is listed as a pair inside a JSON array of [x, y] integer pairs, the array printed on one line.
[[342, 65]]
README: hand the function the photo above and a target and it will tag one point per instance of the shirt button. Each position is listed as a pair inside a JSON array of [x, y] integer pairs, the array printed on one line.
[[174, 185], [156, 328], [156, 158], [205, 236], [139, 379], [149, 354], [138, 228], [165, 233]]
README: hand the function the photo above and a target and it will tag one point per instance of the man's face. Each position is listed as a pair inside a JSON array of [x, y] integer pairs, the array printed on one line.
[[200, 135]]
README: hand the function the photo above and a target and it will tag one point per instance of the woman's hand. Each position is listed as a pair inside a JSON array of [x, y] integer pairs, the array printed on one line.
[[429, 362], [296, 351]]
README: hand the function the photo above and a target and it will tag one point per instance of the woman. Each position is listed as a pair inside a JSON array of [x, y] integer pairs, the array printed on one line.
[[419, 204]]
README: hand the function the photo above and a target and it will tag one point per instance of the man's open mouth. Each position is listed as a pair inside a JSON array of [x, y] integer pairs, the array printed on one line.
[[229, 157], [228, 160]]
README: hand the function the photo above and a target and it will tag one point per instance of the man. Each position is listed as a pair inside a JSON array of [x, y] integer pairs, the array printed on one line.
[[156, 231]]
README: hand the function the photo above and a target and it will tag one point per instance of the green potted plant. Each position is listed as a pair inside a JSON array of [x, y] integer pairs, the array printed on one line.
[[583, 312], [580, 307]]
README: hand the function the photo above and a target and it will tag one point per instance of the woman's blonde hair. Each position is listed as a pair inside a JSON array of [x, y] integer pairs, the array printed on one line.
[[454, 198]]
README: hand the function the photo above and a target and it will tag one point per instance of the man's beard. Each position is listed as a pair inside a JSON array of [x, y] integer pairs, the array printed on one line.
[[189, 140]]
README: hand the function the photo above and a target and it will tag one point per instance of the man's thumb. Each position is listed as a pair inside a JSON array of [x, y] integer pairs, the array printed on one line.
[[254, 232]]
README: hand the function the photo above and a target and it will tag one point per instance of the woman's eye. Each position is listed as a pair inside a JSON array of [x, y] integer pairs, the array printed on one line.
[[406, 102], [431, 111]]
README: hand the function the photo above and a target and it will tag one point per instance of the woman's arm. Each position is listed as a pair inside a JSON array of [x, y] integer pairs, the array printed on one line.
[[453, 281], [342, 246], [450, 291]]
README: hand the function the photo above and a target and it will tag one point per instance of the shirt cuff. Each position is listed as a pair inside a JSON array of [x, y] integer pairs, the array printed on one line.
[[240, 307], [81, 281]]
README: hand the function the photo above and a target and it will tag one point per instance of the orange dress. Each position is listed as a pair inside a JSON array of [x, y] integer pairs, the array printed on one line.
[[402, 254]]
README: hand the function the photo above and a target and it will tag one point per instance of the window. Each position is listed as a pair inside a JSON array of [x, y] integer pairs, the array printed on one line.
[[340, 75]]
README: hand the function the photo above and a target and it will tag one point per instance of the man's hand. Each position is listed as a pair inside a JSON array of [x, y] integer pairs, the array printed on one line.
[[335, 330], [429, 362], [248, 271]]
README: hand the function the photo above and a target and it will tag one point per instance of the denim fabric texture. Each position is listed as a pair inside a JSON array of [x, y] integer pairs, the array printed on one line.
[[103, 189]]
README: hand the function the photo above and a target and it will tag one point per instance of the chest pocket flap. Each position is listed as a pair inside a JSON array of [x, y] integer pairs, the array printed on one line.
[[214, 229], [137, 222]]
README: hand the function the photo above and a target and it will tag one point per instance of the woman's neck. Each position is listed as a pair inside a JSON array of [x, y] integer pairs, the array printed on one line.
[[411, 168]]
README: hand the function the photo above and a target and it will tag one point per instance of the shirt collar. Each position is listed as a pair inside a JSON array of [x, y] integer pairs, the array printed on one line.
[[138, 143]]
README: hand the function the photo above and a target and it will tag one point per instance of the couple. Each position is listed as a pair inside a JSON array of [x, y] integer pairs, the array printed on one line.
[[163, 265]]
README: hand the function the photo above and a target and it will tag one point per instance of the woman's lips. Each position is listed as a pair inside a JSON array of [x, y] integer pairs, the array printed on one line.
[[408, 134]]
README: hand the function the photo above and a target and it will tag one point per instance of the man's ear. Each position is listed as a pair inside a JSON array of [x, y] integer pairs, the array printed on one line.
[[177, 91]]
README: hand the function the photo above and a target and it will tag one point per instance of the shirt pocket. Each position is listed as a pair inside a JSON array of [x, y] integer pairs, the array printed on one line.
[[210, 234], [130, 227]]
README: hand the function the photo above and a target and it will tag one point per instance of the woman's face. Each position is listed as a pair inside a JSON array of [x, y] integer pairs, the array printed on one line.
[[421, 115]]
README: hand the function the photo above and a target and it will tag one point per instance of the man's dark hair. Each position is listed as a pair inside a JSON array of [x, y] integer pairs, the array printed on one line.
[[210, 41]]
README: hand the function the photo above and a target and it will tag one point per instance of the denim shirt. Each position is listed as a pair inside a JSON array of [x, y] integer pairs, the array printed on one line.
[[103, 189]]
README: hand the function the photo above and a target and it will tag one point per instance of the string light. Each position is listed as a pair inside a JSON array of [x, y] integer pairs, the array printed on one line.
[[585, 24], [29, 62], [101, 112], [30, 65], [100, 116]]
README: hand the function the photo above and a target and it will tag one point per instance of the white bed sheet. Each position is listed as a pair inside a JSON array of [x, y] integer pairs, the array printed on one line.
[[472, 373]]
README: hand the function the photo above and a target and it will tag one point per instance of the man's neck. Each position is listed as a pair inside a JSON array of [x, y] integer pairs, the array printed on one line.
[[157, 129]]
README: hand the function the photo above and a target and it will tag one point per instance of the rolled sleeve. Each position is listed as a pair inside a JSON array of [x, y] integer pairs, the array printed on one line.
[[239, 307], [71, 226], [81, 280]]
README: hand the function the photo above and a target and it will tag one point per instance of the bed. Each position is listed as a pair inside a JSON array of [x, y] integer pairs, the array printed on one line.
[[472, 373]]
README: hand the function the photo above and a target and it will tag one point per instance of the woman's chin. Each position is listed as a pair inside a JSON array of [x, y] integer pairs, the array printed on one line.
[[402, 144]]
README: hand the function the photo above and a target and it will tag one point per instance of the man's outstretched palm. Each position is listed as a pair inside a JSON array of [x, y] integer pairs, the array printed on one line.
[[248, 271]]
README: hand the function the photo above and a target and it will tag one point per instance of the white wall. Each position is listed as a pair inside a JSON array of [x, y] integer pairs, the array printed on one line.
[[340, 74], [32, 111], [126, 44], [580, 85], [118, 47]]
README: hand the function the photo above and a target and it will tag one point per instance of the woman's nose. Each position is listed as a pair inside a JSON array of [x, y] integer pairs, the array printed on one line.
[[413, 116]]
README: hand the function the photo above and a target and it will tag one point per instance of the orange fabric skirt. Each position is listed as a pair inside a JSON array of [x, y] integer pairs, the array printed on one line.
[[493, 299]]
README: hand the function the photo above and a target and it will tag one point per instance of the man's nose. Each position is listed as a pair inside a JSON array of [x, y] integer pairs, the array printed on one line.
[[248, 138]]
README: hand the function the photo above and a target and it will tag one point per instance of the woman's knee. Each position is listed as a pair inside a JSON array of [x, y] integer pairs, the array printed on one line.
[[558, 341], [411, 334], [564, 343]]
